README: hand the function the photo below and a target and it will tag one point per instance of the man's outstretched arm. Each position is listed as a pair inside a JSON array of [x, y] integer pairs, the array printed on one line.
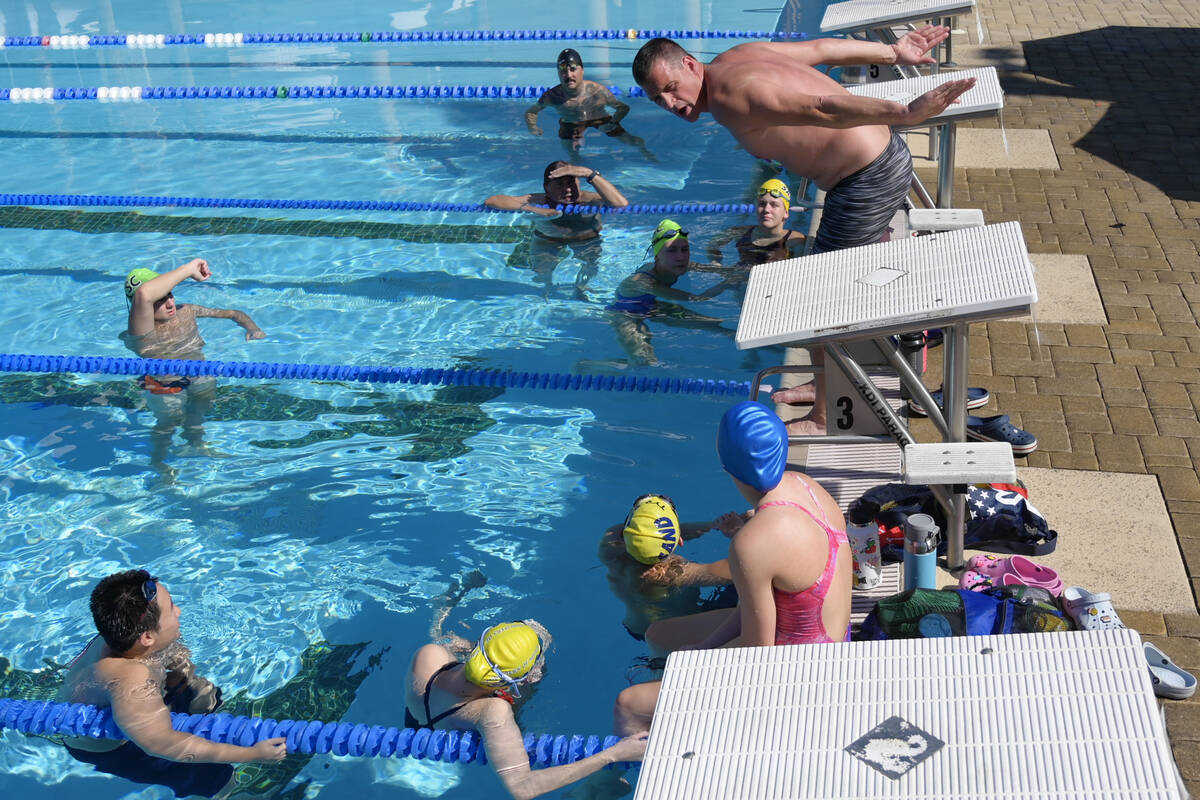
[[909, 51]]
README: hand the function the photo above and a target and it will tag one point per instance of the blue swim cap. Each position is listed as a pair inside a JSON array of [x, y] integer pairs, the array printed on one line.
[[753, 444]]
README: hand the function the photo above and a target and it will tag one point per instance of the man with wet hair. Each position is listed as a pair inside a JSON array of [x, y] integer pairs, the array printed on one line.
[[778, 106], [137, 666], [581, 104], [554, 233]]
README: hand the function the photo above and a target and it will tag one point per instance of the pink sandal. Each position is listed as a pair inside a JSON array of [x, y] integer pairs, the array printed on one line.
[[984, 571]]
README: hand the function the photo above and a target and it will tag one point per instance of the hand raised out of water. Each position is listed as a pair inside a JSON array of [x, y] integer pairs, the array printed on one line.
[[729, 523], [937, 100], [200, 270], [911, 49]]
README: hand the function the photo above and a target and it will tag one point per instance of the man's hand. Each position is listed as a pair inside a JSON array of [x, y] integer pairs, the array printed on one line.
[[937, 100], [535, 130], [911, 50], [269, 750], [254, 333], [631, 748], [572, 170], [199, 268]]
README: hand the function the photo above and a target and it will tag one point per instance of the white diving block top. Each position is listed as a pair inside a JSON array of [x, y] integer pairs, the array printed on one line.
[[959, 462], [865, 15], [984, 99], [1036, 716], [880, 289]]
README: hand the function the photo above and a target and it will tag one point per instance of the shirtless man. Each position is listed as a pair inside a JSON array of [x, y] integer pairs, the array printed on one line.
[[554, 232], [581, 104], [775, 102], [137, 666], [160, 328]]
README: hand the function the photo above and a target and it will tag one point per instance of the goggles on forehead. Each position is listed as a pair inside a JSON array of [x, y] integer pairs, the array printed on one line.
[[666, 236], [511, 682], [782, 194]]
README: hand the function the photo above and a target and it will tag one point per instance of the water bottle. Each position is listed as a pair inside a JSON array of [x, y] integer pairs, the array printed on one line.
[[863, 533], [912, 349], [921, 537]]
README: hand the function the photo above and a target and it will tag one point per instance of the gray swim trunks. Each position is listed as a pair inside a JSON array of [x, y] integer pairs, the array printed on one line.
[[857, 211]]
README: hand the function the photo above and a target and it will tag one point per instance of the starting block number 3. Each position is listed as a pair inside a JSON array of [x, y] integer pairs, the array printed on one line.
[[845, 409]]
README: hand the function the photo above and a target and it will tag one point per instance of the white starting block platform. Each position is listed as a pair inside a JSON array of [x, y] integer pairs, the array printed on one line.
[[887, 288], [984, 99], [1043, 716], [865, 15]]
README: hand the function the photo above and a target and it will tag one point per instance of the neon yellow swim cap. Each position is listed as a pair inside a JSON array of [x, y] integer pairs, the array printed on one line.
[[777, 188], [505, 654], [667, 231], [651, 529], [136, 278]]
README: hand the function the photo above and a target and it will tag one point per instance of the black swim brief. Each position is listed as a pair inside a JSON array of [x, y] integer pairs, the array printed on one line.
[[132, 763], [857, 211], [574, 130]]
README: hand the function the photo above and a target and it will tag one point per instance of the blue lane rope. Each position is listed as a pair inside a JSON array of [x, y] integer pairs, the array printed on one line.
[[46, 718], [115, 94], [149, 40], [408, 375], [116, 200]]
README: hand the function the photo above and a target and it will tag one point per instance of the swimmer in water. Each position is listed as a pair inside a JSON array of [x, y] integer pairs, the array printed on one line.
[[649, 293], [650, 577], [770, 239], [137, 666], [582, 104], [480, 693], [158, 327], [554, 234]]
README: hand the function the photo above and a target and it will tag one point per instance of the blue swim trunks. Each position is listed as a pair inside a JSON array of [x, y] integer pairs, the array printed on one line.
[[132, 763]]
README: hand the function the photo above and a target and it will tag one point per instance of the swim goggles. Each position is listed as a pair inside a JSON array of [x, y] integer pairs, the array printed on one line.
[[149, 591], [782, 194], [666, 236], [510, 681]]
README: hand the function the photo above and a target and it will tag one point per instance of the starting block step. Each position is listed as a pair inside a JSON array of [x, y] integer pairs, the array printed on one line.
[[944, 219], [959, 462]]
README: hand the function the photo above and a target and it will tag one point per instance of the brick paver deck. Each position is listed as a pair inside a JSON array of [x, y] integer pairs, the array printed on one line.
[[1112, 83]]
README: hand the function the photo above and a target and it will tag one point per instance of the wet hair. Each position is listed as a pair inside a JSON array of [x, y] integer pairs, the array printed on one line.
[[553, 165], [120, 611], [651, 53]]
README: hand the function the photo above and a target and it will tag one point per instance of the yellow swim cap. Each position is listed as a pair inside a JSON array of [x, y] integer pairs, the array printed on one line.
[[651, 529], [667, 231], [777, 188], [505, 654]]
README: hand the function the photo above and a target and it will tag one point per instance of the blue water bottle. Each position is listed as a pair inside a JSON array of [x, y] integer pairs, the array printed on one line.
[[921, 537]]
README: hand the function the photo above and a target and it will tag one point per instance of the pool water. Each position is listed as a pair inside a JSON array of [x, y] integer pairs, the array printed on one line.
[[307, 553]]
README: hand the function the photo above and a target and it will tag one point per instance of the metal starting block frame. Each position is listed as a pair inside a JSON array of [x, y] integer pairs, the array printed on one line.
[[864, 295]]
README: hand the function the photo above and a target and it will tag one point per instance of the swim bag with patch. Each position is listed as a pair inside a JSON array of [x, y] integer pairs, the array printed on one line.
[[933, 613]]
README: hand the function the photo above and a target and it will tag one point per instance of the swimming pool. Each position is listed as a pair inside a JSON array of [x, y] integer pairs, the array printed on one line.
[[309, 551]]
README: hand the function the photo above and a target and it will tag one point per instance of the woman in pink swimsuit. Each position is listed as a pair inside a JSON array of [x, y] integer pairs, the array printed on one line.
[[790, 562]]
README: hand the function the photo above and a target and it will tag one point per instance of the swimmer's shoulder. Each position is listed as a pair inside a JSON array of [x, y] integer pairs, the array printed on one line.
[[553, 96]]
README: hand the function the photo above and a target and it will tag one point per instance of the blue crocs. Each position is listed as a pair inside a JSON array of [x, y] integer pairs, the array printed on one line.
[[977, 397], [999, 429]]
